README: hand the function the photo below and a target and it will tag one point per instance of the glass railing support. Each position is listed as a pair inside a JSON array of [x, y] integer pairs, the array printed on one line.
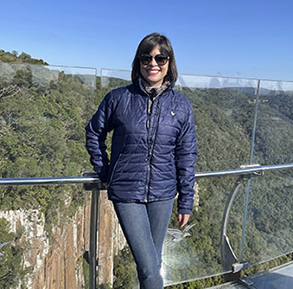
[[227, 254], [246, 282], [229, 259], [92, 256], [93, 237]]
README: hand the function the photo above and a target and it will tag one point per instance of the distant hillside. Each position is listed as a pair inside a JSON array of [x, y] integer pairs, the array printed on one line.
[[13, 57]]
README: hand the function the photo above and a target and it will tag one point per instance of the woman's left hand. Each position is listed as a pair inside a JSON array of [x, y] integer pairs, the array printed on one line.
[[183, 220]]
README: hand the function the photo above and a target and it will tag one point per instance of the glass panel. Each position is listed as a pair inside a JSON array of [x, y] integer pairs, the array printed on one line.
[[195, 252], [224, 111], [113, 78], [274, 132], [269, 232], [43, 112]]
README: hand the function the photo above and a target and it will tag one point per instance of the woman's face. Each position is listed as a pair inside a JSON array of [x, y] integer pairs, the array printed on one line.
[[152, 72]]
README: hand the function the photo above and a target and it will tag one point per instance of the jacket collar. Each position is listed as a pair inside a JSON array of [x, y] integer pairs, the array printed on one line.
[[140, 84]]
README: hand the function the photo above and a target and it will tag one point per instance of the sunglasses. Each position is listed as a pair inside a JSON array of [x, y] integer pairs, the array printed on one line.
[[161, 59]]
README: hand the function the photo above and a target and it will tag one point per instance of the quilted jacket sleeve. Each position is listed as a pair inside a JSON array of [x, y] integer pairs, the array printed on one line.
[[96, 133], [185, 157]]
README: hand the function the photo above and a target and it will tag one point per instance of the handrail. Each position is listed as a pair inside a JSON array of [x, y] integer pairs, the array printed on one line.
[[49, 181], [93, 183], [92, 178], [243, 170]]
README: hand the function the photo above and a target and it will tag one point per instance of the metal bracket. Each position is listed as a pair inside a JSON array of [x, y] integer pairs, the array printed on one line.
[[246, 282], [95, 185], [237, 267], [253, 174]]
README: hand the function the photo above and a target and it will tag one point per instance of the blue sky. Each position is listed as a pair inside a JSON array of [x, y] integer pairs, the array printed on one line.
[[243, 38]]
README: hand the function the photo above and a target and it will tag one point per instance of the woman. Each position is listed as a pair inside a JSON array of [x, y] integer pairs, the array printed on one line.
[[153, 153]]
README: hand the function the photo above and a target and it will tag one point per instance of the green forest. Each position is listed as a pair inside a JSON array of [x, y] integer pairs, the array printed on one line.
[[43, 112]]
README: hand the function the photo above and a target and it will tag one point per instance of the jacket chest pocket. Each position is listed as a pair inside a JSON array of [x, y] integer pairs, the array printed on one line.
[[171, 122]]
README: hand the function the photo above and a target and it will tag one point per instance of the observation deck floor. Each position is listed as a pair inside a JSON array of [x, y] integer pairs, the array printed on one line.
[[276, 278]]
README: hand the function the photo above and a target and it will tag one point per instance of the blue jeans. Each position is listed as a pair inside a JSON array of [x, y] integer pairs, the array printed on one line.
[[144, 226]]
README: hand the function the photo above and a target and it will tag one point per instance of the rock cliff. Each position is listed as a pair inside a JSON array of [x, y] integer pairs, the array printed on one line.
[[53, 261]]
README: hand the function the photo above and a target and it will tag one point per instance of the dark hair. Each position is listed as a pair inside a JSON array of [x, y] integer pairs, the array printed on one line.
[[146, 45]]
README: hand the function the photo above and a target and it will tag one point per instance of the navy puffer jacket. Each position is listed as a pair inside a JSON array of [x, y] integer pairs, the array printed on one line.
[[152, 155]]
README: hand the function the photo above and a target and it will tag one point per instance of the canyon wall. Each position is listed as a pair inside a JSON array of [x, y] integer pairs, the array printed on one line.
[[55, 260]]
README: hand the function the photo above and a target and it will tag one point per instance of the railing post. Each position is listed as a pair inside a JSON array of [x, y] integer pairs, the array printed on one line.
[[93, 237], [229, 259], [227, 253], [95, 188]]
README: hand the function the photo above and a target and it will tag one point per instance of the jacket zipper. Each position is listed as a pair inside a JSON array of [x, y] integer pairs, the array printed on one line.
[[150, 147], [148, 157]]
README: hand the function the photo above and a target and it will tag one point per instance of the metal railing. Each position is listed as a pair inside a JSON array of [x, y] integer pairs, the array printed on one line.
[[92, 182]]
